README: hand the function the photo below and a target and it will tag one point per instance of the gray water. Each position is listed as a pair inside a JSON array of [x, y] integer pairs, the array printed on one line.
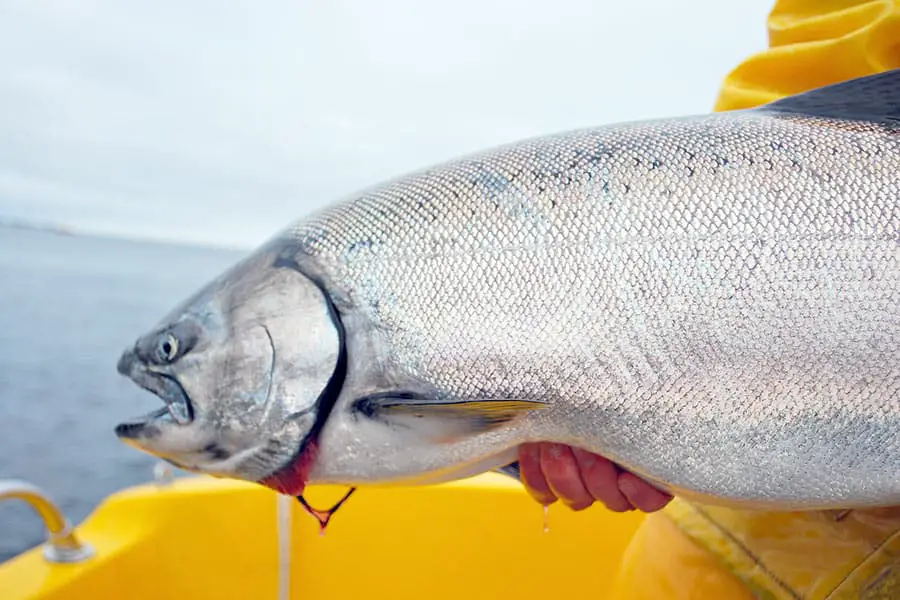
[[69, 305]]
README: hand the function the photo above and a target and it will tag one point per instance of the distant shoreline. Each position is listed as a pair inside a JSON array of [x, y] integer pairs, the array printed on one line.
[[8, 223], [65, 230]]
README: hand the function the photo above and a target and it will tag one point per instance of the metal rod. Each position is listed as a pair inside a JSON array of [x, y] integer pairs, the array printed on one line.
[[62, 545]]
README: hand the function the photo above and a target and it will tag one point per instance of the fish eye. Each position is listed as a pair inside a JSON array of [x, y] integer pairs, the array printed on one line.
[[167, 349]]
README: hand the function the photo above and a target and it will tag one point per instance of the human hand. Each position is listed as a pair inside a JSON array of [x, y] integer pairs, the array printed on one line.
[[579, 478]]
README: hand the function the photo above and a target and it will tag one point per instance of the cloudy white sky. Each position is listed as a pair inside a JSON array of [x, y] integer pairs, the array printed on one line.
[[220, 122]]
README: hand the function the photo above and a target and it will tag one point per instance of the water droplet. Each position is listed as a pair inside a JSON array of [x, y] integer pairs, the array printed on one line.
[[546, 518]]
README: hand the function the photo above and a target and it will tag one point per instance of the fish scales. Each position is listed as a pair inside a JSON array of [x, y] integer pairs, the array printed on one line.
[[712, 302]]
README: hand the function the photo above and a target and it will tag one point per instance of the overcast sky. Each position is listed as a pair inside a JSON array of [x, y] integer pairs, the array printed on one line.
[[222, 122]]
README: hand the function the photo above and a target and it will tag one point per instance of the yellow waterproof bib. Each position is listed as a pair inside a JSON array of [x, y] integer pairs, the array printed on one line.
[[689, 551], [809, 555], [813, 43]]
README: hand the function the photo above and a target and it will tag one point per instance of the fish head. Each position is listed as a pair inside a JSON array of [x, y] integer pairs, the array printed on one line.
[[242, 367]]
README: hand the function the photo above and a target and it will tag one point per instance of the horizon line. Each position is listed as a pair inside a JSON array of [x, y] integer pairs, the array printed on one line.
[[66, 229]]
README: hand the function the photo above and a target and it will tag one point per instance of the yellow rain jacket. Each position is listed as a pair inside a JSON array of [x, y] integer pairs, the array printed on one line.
[[689, 551]]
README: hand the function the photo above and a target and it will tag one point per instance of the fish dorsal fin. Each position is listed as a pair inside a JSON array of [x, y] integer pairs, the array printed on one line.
[[874, 98]]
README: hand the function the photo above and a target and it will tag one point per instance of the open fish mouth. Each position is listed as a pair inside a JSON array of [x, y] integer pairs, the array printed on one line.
[[167, 389], [178, 408]]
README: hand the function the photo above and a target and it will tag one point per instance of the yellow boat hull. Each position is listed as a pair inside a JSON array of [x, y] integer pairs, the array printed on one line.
[[200, 537]]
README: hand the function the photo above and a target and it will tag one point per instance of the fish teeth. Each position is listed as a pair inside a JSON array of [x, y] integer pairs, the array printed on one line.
[[179, 413]]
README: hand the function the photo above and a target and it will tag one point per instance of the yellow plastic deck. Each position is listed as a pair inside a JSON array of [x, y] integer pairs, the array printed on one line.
[[201, 537]]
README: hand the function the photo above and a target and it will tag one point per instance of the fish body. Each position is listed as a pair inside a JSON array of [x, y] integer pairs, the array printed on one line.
[[712, 302]]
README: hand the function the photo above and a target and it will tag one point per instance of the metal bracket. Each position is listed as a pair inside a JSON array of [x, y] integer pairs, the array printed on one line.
[[62, 545]]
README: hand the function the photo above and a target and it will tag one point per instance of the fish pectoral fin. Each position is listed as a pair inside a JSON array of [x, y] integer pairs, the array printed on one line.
[[511, 470], [443, 420], [871, 98], [488, 413]]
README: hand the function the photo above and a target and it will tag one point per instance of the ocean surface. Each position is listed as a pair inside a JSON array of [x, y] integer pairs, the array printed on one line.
[[69, 306]]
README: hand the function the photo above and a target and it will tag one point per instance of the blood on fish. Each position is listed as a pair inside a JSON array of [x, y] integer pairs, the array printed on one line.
[[324, 516], [291, 479]]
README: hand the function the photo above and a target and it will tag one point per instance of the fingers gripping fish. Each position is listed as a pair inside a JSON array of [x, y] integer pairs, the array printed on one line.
[[725, 287]]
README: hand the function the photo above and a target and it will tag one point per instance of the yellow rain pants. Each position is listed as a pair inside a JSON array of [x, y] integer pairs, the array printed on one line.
[[689, 551]]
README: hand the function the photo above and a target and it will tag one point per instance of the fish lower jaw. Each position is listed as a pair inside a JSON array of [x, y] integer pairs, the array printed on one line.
[[133, 427], [166, 414]]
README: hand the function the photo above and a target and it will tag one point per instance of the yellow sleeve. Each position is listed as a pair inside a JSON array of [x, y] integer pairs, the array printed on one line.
[[663, 562], [813, 43]]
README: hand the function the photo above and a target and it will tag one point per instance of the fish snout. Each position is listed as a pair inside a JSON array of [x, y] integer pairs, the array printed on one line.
[[125, 366]]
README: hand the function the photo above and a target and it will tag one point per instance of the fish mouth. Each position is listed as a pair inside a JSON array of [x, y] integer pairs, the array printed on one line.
[[178, 409]]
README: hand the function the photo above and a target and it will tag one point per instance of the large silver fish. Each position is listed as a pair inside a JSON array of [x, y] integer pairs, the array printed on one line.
[[712, 302]]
